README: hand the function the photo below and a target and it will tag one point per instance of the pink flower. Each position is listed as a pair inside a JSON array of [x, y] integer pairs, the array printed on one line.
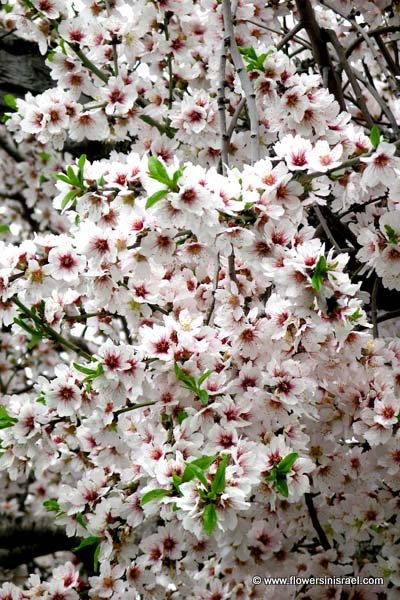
[[295, 151]]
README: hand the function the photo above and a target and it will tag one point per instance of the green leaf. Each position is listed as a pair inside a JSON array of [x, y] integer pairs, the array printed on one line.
[[155, 494], [282, 487], [175, 178], [375, 136], [10, 101], [248, 52], [333, 266], [182, 415], [35, 339], [156, 197], [81, 162], [218, 483], [286, 464], [391, 235], [81, 520], [357, 314], [191, 471], [51, 505], [204, 376], [272, 476], [100, 181], [72, 194], [4, 228], [73, 177], [96, 558], [26, 327], [209, 518], [176, 480], [85, 370], [158, 172], [189, 380], [61, 177], [91, 540], [319, 273], [5, 419], [204, 461], [203, 396], [44, 156]]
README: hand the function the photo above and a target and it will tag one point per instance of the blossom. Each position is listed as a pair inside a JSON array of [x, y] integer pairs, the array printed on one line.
[[65, 264], [322, 157], [380, 166], [186, 348], [295, 150]]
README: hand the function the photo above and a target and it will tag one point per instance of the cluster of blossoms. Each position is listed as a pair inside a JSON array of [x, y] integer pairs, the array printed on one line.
[[202, 398]]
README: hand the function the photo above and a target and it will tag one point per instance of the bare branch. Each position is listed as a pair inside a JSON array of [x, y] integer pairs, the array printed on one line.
[[333, 38], [363, 34], [320, 50], [235, 118], [393, 314], [216, 279], [374, 308], [20, 544], [10, 149], [315, 521], [384, 106], [244, 80], [231, 266], [325, 227], [298, 27], [224, 160]]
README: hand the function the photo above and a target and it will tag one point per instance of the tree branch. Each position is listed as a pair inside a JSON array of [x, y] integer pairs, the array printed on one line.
[[216, 279], [21, 544], [320, 50], [244, 80], [374, 308], [333, 38], [224, 160], [315, 521]]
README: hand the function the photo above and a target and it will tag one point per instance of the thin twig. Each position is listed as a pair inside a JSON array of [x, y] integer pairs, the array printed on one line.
[[114, 42], [372, 33], [235, 117], [125, 327], [325, 227], [231, 266], [246, 84], [224, 161], [363, 34], [388, 57], [374, 308], [298, 40], [384, 106], [333, 38], [88, 63], [133, 407], [169, 65], [360, 207], [315, 521], [320, 50], [212, 305], [50, 332], [10, 150], [298, 27], [389, 315]]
